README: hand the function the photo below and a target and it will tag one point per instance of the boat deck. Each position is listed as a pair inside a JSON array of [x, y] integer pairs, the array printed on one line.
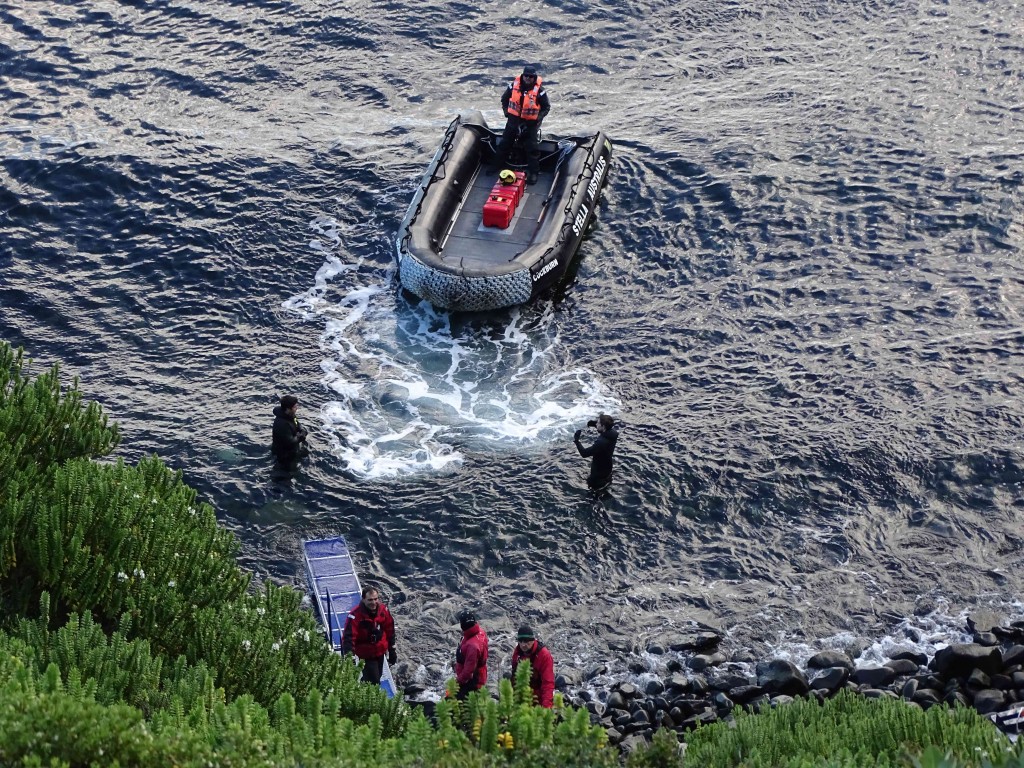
[[471, 245]]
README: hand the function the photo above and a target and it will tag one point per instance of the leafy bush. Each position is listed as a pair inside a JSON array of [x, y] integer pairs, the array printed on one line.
[[847, 730]]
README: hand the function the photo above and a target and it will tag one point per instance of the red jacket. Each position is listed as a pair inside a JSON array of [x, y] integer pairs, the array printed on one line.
[[471, 658], [542, 672], [366, 636]]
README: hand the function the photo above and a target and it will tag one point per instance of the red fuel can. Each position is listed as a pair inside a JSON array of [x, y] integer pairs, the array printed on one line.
[[499, 210]]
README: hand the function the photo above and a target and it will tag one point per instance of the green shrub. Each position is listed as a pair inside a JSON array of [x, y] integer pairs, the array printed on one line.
[[847, 730]]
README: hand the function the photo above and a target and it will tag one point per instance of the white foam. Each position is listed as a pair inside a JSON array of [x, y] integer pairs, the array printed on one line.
[[413, 392]]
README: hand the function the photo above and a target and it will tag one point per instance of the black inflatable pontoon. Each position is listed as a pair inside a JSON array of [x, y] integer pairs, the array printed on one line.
[[445, 253]]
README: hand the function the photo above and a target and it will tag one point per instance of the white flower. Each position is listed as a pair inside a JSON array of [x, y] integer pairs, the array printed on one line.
[[275, 647], [140, 573], [260, 611], [122, 576], [172, 583], [246, 644]]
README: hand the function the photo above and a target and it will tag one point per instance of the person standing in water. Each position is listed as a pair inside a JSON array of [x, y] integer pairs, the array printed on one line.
[[289, 438], [600, 451]]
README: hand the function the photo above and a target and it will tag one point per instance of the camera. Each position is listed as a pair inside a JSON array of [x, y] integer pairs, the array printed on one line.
[[592, 423]]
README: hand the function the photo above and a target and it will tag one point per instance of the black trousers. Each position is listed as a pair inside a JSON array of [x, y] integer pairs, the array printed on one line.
[[373, 668], [528, 140]]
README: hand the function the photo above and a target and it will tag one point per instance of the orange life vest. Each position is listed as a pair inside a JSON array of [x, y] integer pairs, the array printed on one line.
[[524, 104]]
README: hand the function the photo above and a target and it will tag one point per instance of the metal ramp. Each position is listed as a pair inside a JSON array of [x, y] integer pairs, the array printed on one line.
[[336, 591]]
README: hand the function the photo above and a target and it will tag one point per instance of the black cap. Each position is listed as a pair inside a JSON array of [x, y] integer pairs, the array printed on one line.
[[529, 69], [524, 633], [466, 617]]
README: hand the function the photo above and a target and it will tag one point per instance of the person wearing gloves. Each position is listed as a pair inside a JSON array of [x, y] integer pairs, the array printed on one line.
[[525, 104], [471, 656], [369, 635], [600, 451]]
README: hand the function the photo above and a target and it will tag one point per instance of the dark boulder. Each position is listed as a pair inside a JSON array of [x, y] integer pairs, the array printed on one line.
[[901, 667], [873, 677], [827, 659], [960, 659], [829, 679], [701, 641], [781, 676], [915, 656], [989, 700]]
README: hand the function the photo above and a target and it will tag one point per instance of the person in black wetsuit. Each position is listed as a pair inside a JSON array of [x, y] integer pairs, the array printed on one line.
[[601, 450], [289, 444]]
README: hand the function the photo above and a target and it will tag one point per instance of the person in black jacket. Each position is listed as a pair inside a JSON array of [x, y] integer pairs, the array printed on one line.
[[601, 450], [289, 443]]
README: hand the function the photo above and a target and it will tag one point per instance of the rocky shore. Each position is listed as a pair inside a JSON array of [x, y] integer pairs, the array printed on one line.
[[702, 685]]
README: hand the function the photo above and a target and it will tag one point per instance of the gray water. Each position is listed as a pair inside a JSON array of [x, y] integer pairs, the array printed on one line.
[[802, 298]]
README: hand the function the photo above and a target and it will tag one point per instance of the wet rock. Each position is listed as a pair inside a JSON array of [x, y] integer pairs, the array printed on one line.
[[827, 659], [706, 717], [616, 701], [910, 688], [781, 676], [699, 663], [722, 702], [677, 715], [655, 649], [902, 667], [978, 680], [960, 659], [873, 677], [829, 679], [990, 700], [724, 679], [674, 665], [414, 689], [627, 689], [600, 669], [926, 697], [654, 687], [986, 638], [614, 736], [1013, 656], [760, 703], [1002, 682], [741, 694], [621, 718], [915, 656], [596, 708], [678, 682], [956, 699], [660, 702], [1018, 679], [640, 716], [636, 666], [700, 641], [699, 685]]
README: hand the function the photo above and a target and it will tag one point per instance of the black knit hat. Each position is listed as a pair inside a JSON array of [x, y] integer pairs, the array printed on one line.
[[467, 618], [525, 633], [529, 69]]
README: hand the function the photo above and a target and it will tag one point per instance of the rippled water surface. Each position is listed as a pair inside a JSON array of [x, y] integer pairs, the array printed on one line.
[[803, 298]]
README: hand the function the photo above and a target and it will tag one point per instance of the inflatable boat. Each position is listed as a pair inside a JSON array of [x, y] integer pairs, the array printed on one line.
[[455, 257]]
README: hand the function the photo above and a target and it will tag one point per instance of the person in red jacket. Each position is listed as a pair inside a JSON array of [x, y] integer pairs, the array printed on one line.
[[471, 656], [369, 634], [542, 666]]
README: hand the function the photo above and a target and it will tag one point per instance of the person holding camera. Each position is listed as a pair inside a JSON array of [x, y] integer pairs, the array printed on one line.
[[600, 451], [289, 440], [369, 635]]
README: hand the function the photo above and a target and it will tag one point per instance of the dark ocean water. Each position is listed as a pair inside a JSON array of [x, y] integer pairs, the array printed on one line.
[[803, 297]]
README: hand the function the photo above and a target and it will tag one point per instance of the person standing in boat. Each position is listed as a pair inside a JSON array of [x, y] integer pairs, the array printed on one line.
[[600, 451], [471, 656], [369, 635], [289, 438], [542, 666], [525, 104]]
